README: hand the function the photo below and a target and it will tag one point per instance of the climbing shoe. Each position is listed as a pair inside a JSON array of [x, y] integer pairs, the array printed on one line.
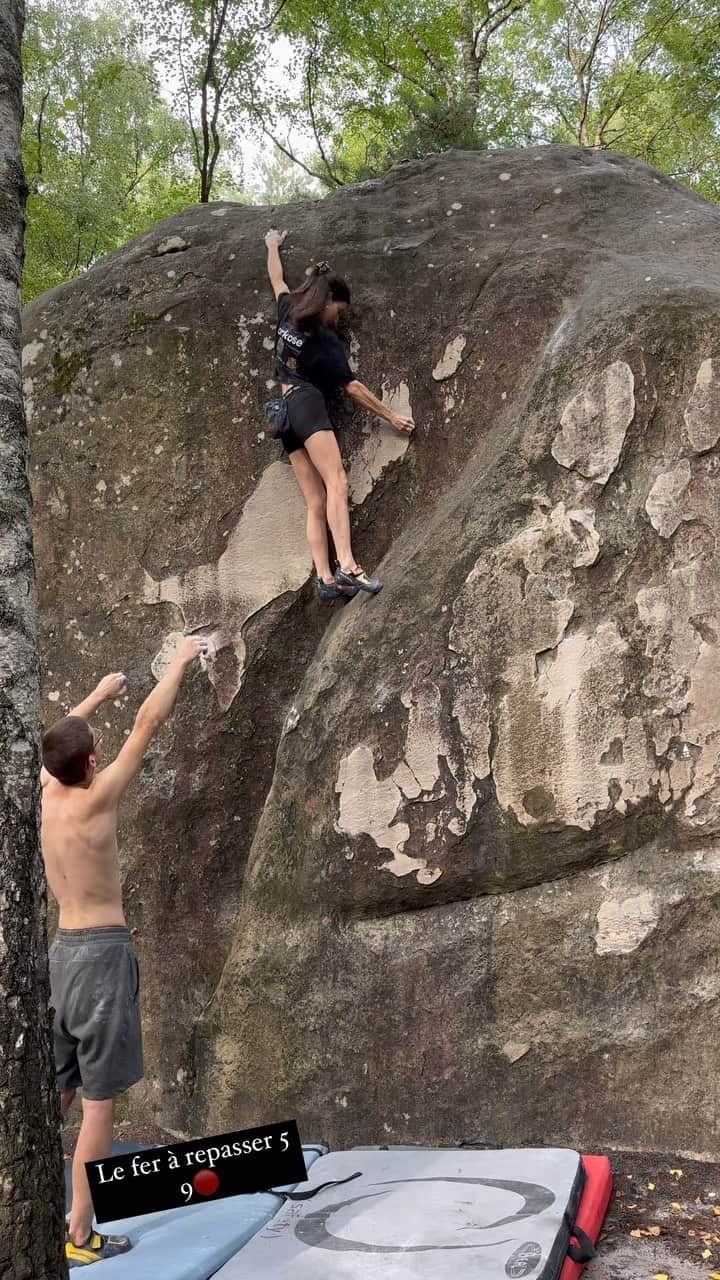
[[329, 591], [358, 579], [95, 1248]]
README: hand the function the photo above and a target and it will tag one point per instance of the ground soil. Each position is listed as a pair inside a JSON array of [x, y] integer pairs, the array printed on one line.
[[675, 1206]]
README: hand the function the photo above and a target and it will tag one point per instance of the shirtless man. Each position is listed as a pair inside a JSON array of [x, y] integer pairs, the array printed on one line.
[[94, 979]]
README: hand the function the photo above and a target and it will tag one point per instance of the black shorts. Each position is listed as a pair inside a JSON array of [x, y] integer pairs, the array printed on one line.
[[307, 413]]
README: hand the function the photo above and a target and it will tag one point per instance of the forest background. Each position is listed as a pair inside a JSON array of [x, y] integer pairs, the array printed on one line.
[[134, 112]]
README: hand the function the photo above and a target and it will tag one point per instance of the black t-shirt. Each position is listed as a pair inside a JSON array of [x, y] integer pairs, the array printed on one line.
[[315, 354]]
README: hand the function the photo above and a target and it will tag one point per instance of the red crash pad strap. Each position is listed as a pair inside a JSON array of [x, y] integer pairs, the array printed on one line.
[[590, 1215]]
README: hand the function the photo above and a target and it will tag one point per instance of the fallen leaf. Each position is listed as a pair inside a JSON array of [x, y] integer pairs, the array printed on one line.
[[653, 1231], [636, 1235], [706, 1253], [651, 1186], [677, 1173], [675, 1205], [714, 1275], [716, 1210], [661, 1275]]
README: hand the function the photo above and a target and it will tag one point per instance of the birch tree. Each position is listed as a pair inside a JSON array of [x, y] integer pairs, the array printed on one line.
[[31, 1204]]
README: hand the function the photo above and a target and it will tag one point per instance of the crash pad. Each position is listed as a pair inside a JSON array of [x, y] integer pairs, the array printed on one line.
[[193, 1241], [421, 1213]]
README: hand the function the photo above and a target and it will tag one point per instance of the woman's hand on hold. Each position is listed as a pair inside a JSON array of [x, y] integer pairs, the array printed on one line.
[[275, 237], [402, 424]]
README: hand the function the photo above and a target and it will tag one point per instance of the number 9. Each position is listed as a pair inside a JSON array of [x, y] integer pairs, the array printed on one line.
[[186, 1190]]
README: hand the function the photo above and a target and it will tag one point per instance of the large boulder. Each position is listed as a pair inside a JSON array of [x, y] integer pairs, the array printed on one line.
[[444, 864]]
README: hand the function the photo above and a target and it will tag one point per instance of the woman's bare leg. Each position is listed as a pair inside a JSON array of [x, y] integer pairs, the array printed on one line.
[[313, 491], [325, 456]]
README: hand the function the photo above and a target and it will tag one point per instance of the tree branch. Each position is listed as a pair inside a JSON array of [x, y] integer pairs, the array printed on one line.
[[214, 131], [437, 67], [139, 176], [493, 21], [188, 97], [311, 109], [76, 263], [404, 75], [565, 119], [286, 151], [209, 80], [604, 121], [587, 65], [273, 20], [38, 130]]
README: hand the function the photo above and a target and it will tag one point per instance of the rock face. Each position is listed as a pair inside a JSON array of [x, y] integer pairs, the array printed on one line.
[[444, 864]]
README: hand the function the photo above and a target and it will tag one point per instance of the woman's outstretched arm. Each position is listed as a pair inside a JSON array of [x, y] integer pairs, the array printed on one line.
[[359, 392], [273, 241]]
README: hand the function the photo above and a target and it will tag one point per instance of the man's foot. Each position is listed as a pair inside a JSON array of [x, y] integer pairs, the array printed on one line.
[[328, 591], [358, 578], [96, 1248]]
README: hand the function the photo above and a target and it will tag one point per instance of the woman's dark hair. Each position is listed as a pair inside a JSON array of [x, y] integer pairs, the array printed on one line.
[[320, 287], [66, 750]]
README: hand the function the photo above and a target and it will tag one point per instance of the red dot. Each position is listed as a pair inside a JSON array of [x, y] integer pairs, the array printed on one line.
[[206, 1182]]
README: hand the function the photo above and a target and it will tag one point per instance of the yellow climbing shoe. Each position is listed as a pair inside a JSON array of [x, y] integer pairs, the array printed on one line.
[[358, 579], [95, 1248]]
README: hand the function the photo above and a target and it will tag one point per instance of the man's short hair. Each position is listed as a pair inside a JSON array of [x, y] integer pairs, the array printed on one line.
[[66, 750]]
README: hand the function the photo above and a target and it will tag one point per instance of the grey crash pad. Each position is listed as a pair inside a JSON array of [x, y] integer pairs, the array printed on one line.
[[422, 1215]]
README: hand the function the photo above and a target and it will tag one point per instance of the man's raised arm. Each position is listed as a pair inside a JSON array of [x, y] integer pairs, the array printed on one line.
[[155, 710], [110, 687]]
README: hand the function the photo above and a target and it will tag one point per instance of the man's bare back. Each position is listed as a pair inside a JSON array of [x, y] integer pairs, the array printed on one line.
[[79, 821], [79, 842], [79, 835]]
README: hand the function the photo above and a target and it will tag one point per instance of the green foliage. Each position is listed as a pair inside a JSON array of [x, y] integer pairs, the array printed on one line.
[[278, 181], [384, 80], [104, 157], [342, 91], [387, 79], [440, 127], [637, 76]]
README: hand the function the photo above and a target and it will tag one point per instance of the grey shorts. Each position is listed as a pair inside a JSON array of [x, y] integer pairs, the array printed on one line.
[[94, 989]]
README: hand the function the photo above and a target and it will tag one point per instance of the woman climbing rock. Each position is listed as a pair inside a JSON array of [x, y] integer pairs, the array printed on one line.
[[311, 364]]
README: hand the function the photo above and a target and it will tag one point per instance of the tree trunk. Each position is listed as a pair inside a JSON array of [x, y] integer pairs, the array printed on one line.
[[31, 1204], [583, 133], [471, 61]]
